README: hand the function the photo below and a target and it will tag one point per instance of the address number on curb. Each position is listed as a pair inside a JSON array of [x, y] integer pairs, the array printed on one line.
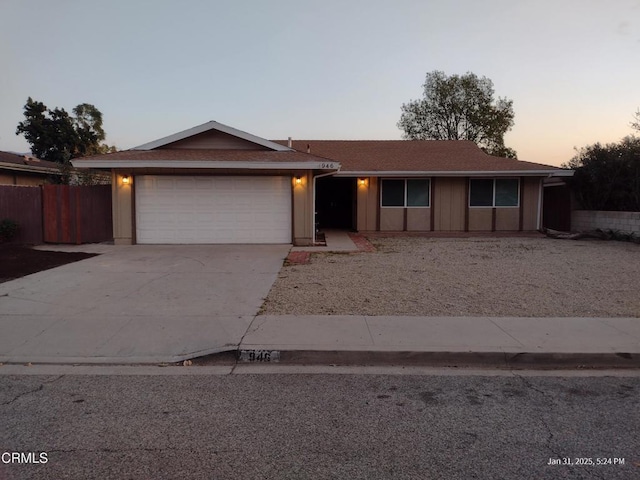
[[259, 356]]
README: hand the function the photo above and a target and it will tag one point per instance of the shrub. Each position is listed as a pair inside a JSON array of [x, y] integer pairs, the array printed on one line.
[[8, 230], [607, 177]]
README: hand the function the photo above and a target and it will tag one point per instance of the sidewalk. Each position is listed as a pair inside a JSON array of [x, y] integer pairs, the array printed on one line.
[[439, 341]]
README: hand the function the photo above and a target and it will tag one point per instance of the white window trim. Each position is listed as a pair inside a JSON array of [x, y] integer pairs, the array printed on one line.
[[406, 194], [493, 205]]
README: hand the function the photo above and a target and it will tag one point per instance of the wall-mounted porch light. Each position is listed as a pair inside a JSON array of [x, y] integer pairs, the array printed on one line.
[[126, 179], [362, 182], [298, 180]]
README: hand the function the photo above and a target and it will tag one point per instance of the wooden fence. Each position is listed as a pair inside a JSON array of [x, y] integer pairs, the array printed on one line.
[[59, 213], [23, 205]]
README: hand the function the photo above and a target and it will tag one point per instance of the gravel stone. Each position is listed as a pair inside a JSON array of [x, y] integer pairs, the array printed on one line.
[[524, 277]]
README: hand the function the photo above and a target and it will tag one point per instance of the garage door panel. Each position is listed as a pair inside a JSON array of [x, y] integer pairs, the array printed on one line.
[[176, 209]]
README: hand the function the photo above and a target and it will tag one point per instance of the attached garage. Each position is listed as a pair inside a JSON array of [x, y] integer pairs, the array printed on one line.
[[212, 209], [212, 184]]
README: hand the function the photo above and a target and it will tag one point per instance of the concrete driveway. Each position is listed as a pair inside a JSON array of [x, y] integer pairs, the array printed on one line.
[[137, 304]]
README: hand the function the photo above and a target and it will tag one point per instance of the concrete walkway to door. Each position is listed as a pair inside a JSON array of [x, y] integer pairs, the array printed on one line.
[[137, 304], [337, 241]]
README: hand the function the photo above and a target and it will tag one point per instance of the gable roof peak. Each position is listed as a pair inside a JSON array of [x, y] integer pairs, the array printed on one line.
[[209, 126]]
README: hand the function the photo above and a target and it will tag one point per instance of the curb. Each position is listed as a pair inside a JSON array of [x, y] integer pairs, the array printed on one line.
[[490, 360], [508, 360]]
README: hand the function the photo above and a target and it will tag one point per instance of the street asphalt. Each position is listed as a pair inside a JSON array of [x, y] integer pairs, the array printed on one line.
[[321, 426]]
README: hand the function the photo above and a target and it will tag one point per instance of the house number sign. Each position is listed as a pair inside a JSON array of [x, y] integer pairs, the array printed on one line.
[[259, 356]]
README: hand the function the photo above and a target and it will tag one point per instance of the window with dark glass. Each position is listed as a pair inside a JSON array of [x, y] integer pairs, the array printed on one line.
[[481, 193], [506, 192], [417, 192], [498, 192], [393, 193], [411, 192]]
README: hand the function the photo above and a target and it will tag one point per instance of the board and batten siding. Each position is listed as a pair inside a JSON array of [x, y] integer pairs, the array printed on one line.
[[450, 203], [302, 209], [391, 219], [213, 140], [122, 207], [507, 219], [367, 205], [530, 197], [480, 219], [418, 219]]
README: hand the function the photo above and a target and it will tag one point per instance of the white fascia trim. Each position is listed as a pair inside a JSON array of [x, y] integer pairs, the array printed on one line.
[[29, 168], [213, 125], [472, 173], [202, 164], [553, 182]]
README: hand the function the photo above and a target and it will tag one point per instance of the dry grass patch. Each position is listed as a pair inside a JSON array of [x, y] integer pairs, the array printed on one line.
[[537, 277]]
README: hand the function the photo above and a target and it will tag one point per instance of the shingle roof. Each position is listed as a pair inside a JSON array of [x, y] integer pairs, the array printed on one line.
[[412, 155], [18, 159], [208, 155], [435, 156]]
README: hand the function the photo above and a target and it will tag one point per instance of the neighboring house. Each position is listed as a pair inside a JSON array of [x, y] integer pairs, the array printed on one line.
[[217, 184], [17, 169]]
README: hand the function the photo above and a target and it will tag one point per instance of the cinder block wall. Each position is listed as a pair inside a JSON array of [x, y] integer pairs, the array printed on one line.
[[585, 220]]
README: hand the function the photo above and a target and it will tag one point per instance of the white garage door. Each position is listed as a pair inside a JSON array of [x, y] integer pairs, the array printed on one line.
[[197, 209]]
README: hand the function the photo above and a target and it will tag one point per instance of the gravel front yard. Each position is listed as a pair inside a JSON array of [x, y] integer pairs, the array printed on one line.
[[532, 277]]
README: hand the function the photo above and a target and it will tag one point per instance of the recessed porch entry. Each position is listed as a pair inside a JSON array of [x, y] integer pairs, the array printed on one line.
[[336, 203], [212, 209]]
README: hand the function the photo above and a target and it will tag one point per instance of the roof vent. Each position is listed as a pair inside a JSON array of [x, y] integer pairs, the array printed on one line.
[[289, 142], [308, 148]]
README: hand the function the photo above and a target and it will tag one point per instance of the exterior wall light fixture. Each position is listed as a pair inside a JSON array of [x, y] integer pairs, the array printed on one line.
[[126, 179], [362, 182], [298, 180]]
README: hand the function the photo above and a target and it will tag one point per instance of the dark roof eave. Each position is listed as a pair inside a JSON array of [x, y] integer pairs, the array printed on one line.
[[208, 164], [454, 173], [29, 169]]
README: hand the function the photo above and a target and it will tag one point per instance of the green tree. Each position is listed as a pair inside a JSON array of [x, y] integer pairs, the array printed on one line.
[[56, 136], [607, 177], [459, 107]]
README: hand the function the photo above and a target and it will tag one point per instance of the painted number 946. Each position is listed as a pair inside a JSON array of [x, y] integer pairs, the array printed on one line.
[[262, 356]]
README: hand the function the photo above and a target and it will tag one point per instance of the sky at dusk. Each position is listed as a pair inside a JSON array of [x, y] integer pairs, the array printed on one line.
[[321, 69]]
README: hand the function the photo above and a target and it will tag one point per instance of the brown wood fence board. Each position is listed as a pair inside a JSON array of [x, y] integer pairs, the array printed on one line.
[[58, 213], [95, 219], [78, 214], [64, 233], [24, 206], [50, 214]]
